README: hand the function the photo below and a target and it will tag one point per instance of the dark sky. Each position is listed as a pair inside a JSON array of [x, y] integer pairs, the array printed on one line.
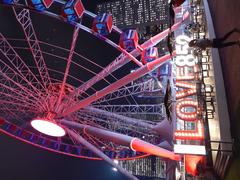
[[20, 161]]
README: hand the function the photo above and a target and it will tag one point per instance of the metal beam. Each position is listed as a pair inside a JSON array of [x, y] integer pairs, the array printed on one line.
[[24, 19], [133, 143], [69, 60], [154, 109], [19, 64], [116, 85], [98, 152], [134, 89]]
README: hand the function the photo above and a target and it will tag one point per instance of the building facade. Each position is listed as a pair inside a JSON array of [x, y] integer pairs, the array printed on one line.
[[135, 13], [149, 17], [152, 167]]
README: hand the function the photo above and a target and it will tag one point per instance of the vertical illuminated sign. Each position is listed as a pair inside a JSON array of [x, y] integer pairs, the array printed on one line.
[[185, 77]]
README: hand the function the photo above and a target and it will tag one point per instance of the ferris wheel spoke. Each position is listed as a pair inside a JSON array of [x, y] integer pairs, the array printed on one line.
[[115, 122], [75, 53], [116, 117], [19, 64], [78, 65], [13, 82], [124, 140], [72, 77], [93, 140], [73, 63], [74, 142], [11, 114], [19, 116], [117, 63], [16, 109], [8, 97], [7, 87], [12, 89], [4, 108], [116, 85], [150, 109], [98, 152], [12, 77], [16, 104], [102, 143], [69, 60], [147, 86], [17, 112], [107, 123], [23, 17]]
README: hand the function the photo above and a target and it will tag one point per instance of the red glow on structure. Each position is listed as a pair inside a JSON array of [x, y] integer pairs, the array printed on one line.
[[190, 134], [142, 146], [1, 121], [193, 163], [177, 3], [187, 116], [48, 128]]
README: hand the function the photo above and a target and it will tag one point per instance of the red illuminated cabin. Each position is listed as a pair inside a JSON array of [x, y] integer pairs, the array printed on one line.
[[102, 24], [73, 10], [40, 5], [177, 3], [129, 40]]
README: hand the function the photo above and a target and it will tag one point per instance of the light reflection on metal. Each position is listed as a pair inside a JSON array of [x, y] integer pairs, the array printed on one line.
[[134, 143]]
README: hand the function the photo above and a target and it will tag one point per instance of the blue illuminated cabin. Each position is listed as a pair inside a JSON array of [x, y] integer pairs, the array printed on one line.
[[102, 24], [149, 55], [73, 10], [40, 5], [129, 40]]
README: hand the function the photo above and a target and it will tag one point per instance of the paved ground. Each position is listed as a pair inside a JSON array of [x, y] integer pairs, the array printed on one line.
[[226, 15]]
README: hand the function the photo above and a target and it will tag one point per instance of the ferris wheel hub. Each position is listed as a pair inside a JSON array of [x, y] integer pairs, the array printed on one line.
[[48, 127]]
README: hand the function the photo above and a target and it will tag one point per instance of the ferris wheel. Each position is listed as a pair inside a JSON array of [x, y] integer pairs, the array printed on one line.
[[69, 83]]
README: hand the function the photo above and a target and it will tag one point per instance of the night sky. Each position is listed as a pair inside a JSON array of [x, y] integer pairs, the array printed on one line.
[[20, 161]]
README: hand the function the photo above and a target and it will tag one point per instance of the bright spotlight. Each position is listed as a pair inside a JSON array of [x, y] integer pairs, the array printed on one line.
[[48, 127]]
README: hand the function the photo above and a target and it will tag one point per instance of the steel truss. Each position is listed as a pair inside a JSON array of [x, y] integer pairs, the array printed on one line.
[[154, 109], [69, 60], [147, 86], [113, 117], [24, 19], [20, 66]]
